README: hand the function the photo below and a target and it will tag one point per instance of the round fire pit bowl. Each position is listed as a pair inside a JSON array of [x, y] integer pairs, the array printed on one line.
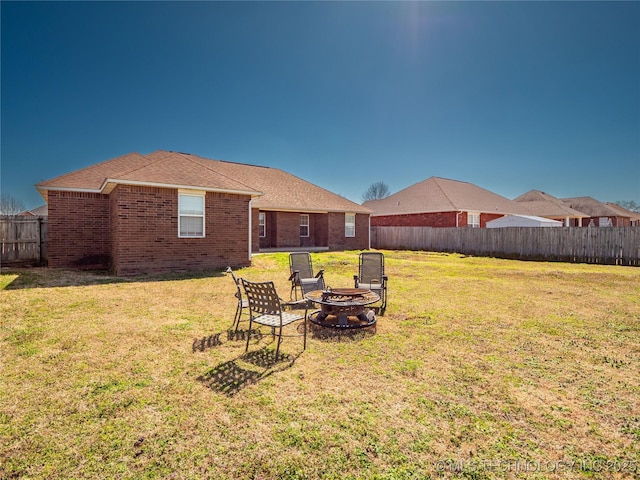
[[343, 307]]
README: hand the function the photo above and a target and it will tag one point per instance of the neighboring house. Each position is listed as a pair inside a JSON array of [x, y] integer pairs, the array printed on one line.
[[440, 202], [634, 217], [169, 211], [41, 211], [523, 221], [542, 204], [601, 214]]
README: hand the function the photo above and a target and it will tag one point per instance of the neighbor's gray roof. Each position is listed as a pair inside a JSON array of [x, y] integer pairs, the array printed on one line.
[[437, 194], [594, 208], [273, 188], [544, 205]]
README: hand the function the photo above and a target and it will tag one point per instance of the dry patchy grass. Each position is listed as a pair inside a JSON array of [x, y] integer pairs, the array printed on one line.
[[481, 368]]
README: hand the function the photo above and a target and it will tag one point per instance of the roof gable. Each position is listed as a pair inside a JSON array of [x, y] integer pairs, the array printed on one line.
[[545, 205], [437, 194], [593, 207]]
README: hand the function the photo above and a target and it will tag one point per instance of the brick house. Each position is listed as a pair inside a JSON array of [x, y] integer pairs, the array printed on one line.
[[545, 205], [600, 214], [440, 202], [169, 211]]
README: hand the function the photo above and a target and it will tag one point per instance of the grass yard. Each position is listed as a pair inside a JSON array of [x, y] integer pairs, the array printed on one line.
[[481, 368]]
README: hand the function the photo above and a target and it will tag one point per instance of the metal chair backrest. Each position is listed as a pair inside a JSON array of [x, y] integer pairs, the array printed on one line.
[[263, 298], [371, 267], [236, 280], [301, 262]]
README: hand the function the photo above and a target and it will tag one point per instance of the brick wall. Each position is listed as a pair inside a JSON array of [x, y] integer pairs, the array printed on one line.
[[440, 219], [256, 241], [146, 232], [615, 221], [437, 219], [78, 230], [487, 217], [337, 239], [325, 230], [320, 229], [287, 229]]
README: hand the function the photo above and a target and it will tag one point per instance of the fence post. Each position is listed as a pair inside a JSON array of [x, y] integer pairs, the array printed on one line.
[[39, 241]]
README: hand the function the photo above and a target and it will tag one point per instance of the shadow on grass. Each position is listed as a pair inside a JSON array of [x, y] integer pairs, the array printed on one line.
[[332, 334], [43, 277], [248, 369], [217, 339], [315, 331], [251, 367]]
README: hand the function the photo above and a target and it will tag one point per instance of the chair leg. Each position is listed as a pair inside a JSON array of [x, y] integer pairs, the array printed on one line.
[[246, 348], [304, 342], [279, 340], [236, 318], [383, 307]]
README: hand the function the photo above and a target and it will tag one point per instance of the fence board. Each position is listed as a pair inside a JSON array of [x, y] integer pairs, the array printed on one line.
[[23, 240], [610, 245]]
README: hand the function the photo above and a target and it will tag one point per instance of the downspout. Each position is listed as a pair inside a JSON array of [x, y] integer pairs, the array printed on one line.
[[458, 218], [250, 239], [369, 232]]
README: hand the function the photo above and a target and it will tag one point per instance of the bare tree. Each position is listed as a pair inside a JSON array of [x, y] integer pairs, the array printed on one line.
[[629, 205], [10, 205], [376, 191]]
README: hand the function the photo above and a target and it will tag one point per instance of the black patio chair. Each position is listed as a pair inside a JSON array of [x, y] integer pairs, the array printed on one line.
[[243, 304], [372, 277], [266, 309], [302, 278]]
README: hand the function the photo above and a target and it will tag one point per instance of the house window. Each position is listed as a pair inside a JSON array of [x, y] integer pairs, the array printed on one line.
[[191, 215], [304, 225], [473, 219], [262, 224], [349, 224], [604, 222]]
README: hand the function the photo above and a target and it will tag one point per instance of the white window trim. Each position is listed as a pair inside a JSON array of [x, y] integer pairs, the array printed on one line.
[[192, 193], [348, 224], [469, 223], [262, 224], [305, 215]]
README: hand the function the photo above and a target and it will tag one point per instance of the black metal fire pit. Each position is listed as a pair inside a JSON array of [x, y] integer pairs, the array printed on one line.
[[343, 307]]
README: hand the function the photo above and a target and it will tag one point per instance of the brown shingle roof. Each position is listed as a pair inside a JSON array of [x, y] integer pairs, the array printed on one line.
[[593, 207], [274, 188], [437, 194], [635, 216], [544, 205]]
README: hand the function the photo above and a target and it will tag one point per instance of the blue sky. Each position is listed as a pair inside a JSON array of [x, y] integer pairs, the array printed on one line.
[[510, 96]]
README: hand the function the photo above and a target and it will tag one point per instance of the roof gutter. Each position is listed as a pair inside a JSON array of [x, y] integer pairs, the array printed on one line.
[[310, 210], [109, 184]]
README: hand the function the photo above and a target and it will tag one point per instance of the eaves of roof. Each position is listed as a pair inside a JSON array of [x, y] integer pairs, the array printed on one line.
[[271, 188]]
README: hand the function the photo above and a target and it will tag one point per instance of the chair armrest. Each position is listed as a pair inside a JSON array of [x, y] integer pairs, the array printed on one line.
[[355, 281], [294, 275], [295, 304]]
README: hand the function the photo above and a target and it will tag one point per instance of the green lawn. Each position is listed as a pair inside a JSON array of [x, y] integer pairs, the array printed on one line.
[[481, 368]]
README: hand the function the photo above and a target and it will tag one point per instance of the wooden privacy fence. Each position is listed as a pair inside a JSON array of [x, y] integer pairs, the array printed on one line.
[[24, 240], [607, 245]]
